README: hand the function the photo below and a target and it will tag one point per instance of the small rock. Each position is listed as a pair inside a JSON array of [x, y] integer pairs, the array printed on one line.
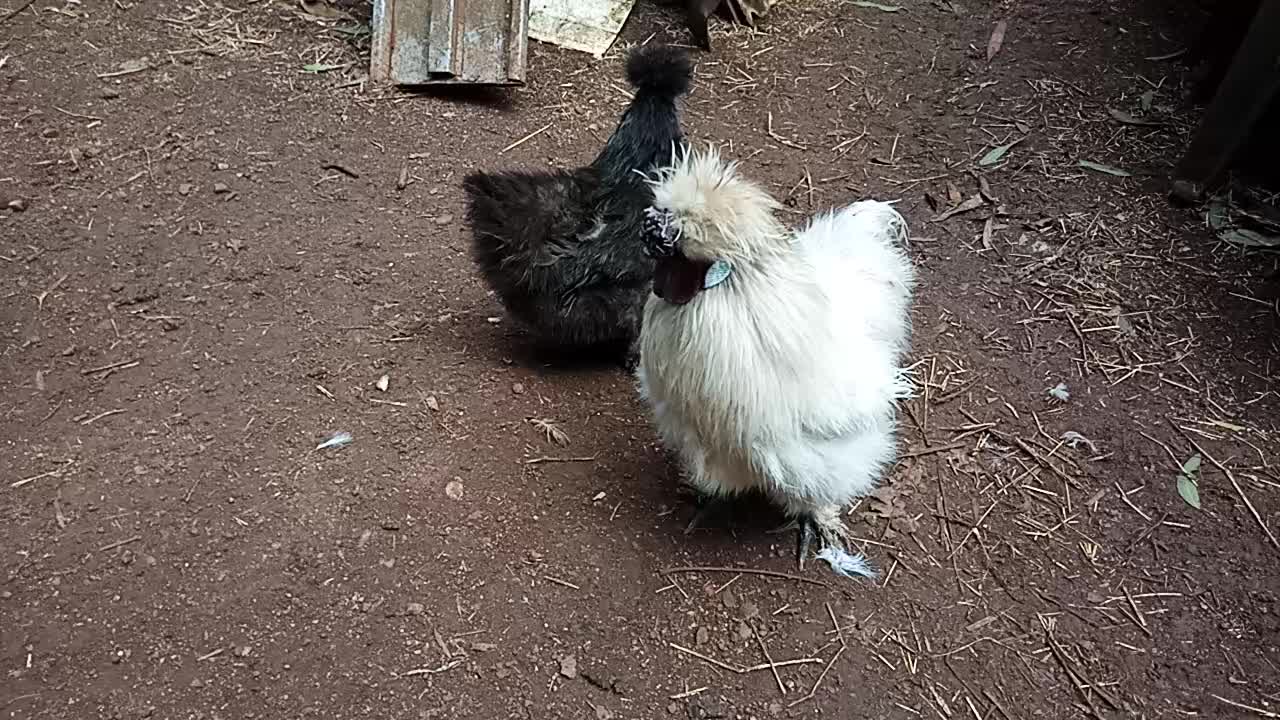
[[483, 647], [17, 205], [744, 631], [117, 286], [701, 636], [383, 383], [517, 388], [750, 610], [221, 189], [433, 403], [109, 94], [775, 708], [729, 599], [185, 189], [603, 713], [49, 133], [569, 666], [673, 708], [222, 166], [197, 683], [415, 608], [388, 563], [243, 651], [444, 220], [454, 489]]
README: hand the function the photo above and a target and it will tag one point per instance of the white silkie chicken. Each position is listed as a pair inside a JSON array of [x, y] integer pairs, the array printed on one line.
[[771, 358]]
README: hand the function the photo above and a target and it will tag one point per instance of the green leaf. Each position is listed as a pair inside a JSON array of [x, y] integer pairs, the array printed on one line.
[[320, 68], [1099, 167], [994, 154], [875, 6], [1189, 481]]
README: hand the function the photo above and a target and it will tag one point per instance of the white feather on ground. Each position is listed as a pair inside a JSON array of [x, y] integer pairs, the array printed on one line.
[[785, 377], [844, 564]]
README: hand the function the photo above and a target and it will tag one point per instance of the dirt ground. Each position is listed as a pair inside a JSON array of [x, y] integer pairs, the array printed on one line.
[[210, 257]]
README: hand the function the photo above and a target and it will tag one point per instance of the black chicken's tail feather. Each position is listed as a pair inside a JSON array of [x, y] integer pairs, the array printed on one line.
[[650, 127]]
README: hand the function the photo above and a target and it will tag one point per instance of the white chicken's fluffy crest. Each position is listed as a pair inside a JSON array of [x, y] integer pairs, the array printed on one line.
[[720, 213]]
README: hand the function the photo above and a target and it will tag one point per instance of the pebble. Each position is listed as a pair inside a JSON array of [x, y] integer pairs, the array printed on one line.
[[701, 636], [110, 94], [17, 205], [454, 489], [415, 608], [221, 188], [517, 388], [49, 133], [185, 189], [444, 220], [569, 666]]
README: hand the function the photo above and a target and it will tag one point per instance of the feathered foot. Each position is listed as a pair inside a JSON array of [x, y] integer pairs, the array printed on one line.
[[824, 523]]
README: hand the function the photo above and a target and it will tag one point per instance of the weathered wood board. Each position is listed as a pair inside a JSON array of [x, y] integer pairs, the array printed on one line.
[[452, 42]]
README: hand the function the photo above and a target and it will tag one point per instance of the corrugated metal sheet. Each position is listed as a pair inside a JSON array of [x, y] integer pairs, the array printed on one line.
[[430, 42]]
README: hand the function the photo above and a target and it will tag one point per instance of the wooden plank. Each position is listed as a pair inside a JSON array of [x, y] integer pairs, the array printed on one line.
[[433, 42]]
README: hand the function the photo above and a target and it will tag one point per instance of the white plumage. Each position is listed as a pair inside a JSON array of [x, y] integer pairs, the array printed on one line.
[[784, 378]]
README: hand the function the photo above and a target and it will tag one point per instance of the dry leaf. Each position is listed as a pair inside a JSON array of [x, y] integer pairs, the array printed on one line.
[[997, 39], [1099, 167], [322, 9], [1127, 119], [972, 203], [953, 194]]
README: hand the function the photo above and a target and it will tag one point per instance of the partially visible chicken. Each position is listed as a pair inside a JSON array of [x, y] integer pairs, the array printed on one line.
[[743, 11], [771, 358], [562, 249]]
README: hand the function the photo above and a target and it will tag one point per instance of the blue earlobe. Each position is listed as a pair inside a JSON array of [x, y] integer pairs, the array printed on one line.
[[716, 274]]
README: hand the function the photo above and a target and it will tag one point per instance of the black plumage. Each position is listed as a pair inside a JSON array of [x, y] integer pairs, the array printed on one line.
[[561, 249]]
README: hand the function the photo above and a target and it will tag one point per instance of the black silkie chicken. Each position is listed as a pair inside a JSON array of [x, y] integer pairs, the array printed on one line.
[[561, 249]]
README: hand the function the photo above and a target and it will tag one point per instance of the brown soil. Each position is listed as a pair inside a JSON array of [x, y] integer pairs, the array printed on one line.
[[175, 547]]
